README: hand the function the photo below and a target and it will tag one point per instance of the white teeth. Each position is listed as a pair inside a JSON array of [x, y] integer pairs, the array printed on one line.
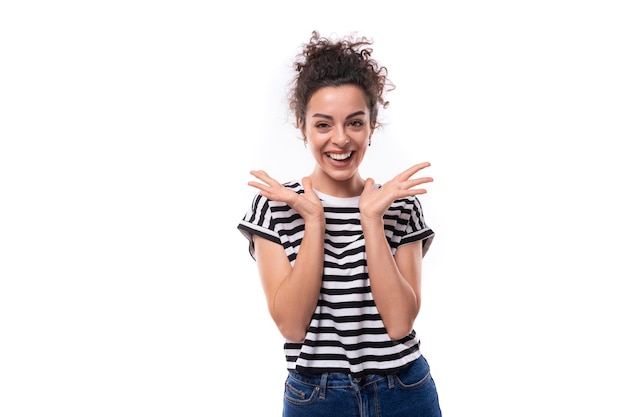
[[339, 156]]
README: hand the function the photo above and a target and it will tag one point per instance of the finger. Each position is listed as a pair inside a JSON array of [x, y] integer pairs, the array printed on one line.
[[418, 181], [263, 176], [407, 173], [307, 185], [257, 172], [369, 184], [411, 192], [261, 187]]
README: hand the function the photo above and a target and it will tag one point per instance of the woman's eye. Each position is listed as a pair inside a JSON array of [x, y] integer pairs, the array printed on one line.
[[356, 123], [322, 125]]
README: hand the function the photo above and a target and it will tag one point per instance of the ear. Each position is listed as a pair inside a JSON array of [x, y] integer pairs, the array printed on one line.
[[300, 126], [372, 127]]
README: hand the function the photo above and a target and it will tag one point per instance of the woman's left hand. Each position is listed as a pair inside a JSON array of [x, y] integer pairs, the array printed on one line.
[[375, 201]]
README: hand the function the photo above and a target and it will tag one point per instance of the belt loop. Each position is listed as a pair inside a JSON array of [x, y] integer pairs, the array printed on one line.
[[390, 380], [323, 383]]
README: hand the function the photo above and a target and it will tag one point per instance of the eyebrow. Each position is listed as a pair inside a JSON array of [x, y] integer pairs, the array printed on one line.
[[351, 115]]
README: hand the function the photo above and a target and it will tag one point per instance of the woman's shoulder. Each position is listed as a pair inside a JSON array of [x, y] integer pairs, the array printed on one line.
[[260, 201], [294, 185], [407, 202]]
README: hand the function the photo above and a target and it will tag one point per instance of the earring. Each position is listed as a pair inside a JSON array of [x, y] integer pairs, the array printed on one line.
[[369, 142], [304, 141]]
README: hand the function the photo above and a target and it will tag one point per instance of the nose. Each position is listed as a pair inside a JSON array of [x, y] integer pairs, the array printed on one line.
[[342, 138]]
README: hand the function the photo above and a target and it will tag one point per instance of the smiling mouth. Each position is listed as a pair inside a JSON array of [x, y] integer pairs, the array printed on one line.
[[339, 156]]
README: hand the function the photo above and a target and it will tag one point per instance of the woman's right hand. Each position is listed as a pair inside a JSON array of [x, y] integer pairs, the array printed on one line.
[[308, 205]]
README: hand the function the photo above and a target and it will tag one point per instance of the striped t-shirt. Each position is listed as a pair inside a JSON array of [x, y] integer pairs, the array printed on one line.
[[346, 333]]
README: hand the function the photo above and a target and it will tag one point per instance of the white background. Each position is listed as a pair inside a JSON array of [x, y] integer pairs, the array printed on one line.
[[128, 129]]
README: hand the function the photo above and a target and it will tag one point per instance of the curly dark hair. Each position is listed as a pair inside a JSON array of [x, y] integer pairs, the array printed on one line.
[[324, 62]]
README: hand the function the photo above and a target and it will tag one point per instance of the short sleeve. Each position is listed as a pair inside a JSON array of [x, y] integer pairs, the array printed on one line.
[[258, 221], [417, 229]]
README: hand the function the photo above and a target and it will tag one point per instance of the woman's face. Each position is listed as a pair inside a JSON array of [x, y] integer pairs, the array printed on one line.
[[337, 129]]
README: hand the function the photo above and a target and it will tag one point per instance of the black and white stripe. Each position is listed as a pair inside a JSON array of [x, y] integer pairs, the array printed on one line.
[[346, 333]]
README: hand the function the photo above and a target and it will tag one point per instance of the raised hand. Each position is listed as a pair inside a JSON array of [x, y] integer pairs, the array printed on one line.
[[375, 201], [308, 205]]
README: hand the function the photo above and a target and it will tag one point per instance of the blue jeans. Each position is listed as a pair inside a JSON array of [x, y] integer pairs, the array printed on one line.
[[409, 392]]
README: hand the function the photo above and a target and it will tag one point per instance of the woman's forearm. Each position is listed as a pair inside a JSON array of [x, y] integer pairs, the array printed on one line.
[[296, 297], [397, 302]]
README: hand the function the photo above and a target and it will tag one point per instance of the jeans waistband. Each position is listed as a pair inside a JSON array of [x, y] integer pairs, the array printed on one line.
[[332, 380]]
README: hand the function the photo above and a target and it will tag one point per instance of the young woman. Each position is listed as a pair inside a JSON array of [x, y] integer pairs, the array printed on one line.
[[339, 256]]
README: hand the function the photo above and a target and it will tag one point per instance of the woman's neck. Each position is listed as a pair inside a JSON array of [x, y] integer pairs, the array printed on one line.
[[350, 187]]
